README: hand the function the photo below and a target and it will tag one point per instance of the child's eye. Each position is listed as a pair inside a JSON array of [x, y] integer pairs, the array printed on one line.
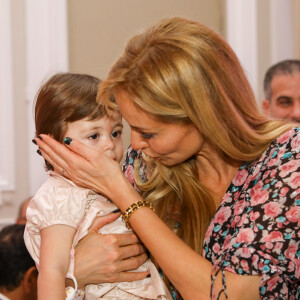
[[116, 133], [94, 136]]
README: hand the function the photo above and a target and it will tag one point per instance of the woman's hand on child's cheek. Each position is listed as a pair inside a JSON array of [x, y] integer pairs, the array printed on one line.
[[107, 258], [84, 166], [96, 170]]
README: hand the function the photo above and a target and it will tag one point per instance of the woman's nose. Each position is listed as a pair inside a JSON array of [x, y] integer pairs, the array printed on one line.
[[137, 141]]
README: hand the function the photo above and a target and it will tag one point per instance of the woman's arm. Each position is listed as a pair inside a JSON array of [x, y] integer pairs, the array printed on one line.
[[189, 272], [56, 243]]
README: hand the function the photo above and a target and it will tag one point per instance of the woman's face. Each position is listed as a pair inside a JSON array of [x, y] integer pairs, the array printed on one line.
[[169, 143]]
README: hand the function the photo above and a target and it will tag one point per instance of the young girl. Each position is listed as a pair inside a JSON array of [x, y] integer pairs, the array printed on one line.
[[60, 213]]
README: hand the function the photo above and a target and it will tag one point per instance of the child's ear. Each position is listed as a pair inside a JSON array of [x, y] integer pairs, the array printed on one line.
[[30, 280]]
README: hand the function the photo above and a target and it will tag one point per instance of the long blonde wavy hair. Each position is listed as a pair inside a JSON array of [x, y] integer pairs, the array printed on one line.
[[181, 71]]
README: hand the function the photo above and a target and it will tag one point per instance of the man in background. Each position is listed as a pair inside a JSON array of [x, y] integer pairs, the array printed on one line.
[[282, 91], [18, 274]]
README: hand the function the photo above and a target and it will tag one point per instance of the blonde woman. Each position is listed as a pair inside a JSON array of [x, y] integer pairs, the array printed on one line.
[[223, 179]]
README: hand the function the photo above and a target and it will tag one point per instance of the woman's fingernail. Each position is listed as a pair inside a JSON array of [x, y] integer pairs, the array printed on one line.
[[40, 137], [67, 140], [39, 152], [116, 210], [148, 276], [34, 141]]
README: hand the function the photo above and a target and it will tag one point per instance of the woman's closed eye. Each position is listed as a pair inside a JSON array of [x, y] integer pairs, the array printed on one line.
[[147, 136]]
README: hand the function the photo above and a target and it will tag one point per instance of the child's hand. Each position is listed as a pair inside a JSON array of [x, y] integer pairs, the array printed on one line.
[[108, 258]]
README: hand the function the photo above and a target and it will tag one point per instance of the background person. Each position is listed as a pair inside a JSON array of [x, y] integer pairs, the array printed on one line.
[[60, 213], [282, 91], [21, 219], [18, 275], [222, 177]]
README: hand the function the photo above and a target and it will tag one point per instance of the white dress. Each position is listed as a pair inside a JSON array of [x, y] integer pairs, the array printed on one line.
[[60, 201]]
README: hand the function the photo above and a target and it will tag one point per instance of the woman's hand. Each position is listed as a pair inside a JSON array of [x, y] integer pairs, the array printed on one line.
[[108, 257], [84, 166]]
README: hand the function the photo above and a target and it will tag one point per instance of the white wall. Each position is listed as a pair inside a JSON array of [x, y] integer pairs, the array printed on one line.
[[261, 33], [46, 49], [7, 169], [34, 44]]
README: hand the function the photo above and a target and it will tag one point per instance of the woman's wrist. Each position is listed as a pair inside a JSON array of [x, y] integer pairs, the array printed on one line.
[[133, 208], [107, 185], [123, 194]]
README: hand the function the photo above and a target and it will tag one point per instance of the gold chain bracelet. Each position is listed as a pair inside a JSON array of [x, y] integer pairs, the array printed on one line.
[[132, 208]]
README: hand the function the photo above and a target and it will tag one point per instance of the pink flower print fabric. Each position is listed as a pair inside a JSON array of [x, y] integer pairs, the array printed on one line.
[[255, 231]]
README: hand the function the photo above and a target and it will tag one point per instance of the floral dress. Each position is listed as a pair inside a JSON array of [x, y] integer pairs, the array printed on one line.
[[255, 230]]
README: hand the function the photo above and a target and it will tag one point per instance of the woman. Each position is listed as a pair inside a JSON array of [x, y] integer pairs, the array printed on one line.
[[221, 176]]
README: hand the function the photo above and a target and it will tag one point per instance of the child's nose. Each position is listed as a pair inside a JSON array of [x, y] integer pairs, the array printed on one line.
[[108, 144], [108, 147]]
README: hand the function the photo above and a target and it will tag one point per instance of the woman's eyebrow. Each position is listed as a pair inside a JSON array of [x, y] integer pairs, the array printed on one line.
[[140, 129], [137, 128]]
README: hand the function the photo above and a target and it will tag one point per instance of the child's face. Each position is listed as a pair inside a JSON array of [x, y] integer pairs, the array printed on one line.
[[103, 134]]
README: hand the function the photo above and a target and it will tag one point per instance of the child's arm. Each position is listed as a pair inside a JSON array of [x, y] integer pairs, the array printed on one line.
[[56, 243]]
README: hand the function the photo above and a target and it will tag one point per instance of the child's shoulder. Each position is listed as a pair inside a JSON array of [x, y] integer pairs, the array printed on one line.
[[56, 180], [57, 199], [53, 181], [57, 186]]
